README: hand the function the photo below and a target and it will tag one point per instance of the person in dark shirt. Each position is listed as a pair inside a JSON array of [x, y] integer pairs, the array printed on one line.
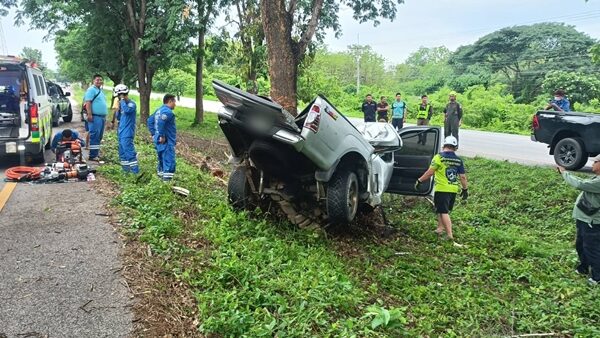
[[369, 107], [382, 110], [452, 117]]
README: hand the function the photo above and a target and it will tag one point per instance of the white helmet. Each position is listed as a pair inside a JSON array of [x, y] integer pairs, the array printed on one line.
[[120, 89], [451, 141]]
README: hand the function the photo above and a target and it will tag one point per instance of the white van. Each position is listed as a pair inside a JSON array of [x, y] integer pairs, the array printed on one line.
[[25, 110]]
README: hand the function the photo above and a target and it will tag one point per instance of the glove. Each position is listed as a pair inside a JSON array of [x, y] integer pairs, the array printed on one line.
[[464, 194], [417, 185]]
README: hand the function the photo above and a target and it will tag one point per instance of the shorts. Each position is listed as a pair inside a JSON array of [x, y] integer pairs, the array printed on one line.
[[443, 201]]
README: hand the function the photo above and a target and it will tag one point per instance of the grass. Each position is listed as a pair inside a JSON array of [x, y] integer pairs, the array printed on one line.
[[255, 277]]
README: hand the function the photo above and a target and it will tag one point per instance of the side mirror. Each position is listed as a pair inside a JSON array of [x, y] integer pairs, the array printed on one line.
[[67, 93]]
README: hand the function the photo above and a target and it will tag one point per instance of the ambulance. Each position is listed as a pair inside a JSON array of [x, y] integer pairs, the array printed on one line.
[[25, 110]]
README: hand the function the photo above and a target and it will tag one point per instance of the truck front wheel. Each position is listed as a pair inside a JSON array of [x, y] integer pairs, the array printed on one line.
[[239, 191], [342, 197], [570, 153]]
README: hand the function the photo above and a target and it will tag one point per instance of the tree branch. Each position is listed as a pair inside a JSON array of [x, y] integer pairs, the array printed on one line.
[[131, 18], [311, 28], [142, 23], [292, 7]]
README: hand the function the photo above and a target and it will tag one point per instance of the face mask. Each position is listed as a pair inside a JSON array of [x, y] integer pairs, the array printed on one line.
[[557, 98]]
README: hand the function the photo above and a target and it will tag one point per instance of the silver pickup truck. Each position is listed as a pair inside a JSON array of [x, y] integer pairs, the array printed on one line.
[[319, 166]]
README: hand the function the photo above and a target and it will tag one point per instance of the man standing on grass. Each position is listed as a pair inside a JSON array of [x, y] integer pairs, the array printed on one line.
[[126, 132], [369, 107], [449, 172], [166, 134], [382, 110], [452, 117], [398, 112], [95, 105], [424, 113]]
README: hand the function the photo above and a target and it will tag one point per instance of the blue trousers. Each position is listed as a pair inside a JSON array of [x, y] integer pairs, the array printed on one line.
[[166, 155], [96, 133], [128, 155], [588, 248]]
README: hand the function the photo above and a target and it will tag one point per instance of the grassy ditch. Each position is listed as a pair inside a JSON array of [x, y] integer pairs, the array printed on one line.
[[251, 276]]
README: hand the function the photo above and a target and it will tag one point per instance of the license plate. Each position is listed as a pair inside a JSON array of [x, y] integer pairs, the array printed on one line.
[[11, 148]]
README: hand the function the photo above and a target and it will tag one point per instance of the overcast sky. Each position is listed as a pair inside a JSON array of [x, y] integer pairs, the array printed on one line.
[[428, 23]]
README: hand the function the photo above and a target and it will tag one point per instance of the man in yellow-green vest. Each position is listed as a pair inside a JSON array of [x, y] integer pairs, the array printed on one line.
[[424, 112]]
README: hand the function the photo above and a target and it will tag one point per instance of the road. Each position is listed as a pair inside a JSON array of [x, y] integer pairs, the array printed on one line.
[[497, 146], [59, 262]]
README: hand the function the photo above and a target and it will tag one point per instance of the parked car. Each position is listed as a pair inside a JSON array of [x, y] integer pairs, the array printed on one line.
[[322, 164], [61, 105], [25, 110], [571, 136]]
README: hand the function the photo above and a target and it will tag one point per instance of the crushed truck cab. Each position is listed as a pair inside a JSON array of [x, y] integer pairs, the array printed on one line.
[[320, 165]]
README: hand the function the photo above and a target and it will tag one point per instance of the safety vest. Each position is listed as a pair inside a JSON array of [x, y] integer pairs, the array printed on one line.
[[422, 114]]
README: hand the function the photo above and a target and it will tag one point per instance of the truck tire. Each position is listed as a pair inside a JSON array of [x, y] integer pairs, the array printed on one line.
[[239, 192], [342, 197], [570, 153], [69, 117]]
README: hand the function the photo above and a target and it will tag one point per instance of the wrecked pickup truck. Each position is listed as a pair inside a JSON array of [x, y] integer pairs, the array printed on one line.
[[318, 166]]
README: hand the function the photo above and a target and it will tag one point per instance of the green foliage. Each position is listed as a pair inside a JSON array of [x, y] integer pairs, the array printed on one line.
[[393, 318], [6, 5]]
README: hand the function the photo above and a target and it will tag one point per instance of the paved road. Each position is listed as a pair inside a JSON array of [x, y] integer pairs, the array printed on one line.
[[59, 263]]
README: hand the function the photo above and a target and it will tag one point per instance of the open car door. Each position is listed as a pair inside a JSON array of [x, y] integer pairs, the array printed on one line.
[[413, 159]]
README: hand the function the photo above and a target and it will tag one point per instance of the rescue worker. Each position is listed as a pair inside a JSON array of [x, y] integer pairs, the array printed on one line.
[[166, 133], [66, 135], [126, 131], [452, 117], [449, 172], [424, 113], [95, 104], [369, 107], [151, 124]]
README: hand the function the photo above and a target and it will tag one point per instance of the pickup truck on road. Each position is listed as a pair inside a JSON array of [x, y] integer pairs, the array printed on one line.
[[571, 136], [319, 165]]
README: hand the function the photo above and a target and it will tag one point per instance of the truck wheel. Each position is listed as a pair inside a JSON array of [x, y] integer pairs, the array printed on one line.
[[239, 192], [342, 197], [570, 153], [69, 117]]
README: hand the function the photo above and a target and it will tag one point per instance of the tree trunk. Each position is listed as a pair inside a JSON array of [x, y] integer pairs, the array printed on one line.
[[199, 118], [144, 87], [282, 59]]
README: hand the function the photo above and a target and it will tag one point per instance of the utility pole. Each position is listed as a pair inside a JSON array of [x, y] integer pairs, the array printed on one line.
[[357, 63]]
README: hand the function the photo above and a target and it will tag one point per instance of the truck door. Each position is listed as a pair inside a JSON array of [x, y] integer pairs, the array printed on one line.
[[413, 159]]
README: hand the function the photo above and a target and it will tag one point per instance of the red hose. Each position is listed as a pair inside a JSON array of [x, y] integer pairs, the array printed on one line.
[[23, 173]]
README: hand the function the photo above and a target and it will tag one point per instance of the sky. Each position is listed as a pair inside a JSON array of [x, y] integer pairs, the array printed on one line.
[[428, 23]]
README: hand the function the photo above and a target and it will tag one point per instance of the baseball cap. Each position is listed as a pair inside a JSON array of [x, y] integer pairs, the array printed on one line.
[[596, 158]]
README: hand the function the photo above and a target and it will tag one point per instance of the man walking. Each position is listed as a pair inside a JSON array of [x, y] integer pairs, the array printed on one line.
[[126, 131], [95, 105], [452, 117], [398, 112], [369, 107], [166, 134], [424, 113], [449, 177]]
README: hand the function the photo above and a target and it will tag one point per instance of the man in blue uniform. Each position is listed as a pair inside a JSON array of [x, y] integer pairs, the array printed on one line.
[[95, 105], [166, 135], [560, 102], [151, 124], [66, 135], [126, 131]]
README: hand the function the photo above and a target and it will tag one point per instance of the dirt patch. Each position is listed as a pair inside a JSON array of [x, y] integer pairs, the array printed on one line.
[[163, 306]]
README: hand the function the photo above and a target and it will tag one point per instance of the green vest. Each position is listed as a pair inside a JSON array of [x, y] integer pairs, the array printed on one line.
[[422, 114]]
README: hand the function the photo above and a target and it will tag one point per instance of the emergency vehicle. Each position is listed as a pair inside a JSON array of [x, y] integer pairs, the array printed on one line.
[[25, 110]]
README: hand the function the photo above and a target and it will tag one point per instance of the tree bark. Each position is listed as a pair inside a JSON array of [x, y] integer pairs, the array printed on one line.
[[199, 118], [283, 62], [144, 87]]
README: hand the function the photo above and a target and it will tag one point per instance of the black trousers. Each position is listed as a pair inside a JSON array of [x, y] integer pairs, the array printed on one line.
[[587, 245]]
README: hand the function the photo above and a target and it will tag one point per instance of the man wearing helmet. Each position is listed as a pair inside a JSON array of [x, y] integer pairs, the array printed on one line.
[[452, 116], [449, 172], [126, 131]]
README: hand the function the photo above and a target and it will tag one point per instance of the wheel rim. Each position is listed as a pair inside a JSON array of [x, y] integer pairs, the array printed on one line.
[[353, 198], [567, 154]]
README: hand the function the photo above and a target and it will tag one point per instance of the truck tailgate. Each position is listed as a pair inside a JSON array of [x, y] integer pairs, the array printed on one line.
[[9, 133]]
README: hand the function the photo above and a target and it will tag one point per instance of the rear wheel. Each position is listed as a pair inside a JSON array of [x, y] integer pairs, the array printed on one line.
[[570, 153], [239, 192], [69, 117], [342, 197]]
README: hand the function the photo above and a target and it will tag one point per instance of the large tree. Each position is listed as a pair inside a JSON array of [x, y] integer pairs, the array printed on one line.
[[525, 54], [154, 29], [291, 25]]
